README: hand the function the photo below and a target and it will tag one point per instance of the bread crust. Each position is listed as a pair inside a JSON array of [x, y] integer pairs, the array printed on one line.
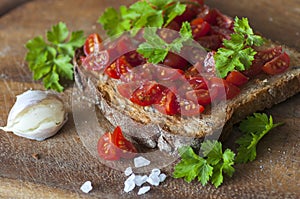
[[154, 129]]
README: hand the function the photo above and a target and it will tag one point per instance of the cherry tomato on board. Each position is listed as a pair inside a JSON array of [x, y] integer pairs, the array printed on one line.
[[92, 43], [277, 65], [106, 148], [113, 146], [168, 103], [223, 87], [189, 108], [175, 61]]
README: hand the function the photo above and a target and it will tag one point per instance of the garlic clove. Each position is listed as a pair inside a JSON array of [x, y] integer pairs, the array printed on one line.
[[36, 115]]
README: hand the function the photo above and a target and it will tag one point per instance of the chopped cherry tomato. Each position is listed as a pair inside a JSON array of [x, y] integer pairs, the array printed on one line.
[[127, 89], [141, 73], [147, 94], [162, 73], [192, 83], [106, 148], [197, 21], [277, 65], [122, 65], [189, 14], [223, 32], [189, 108], [255, 68], [215, 17], [200, 30], [125, 148], [201, 96], [175, 61], [134, 58], [92, 43], [223, 87], [212, 42], [112, 71], [237, 78], [268, 54], [168, 103]]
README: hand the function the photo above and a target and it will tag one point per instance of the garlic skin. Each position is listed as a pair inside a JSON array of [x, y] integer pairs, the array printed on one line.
[[36, 115]]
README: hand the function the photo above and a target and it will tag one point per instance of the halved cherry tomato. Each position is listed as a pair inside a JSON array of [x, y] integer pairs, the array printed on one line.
[[201, 96], [277, 65], [127, 89], [147, 94], [190, 108], [112, 71], [255, 68], [212, 42], [237, 78], [223, 87], [134, 58], [190, 13], [200, 30], [192, 83], [162, 73], [223, 32], [175, 61], [106, 148], [125, 148], [215, 17], [122, 65], [168, 103], [92, 43]]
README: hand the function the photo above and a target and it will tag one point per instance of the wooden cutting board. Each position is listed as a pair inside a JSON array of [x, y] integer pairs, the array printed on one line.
[[64, 163]]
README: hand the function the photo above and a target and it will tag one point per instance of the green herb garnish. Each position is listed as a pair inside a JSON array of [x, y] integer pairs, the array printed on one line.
[[254, 127], [211, 166], [52, 60], [152, 13], [156, 49], [237, 52]]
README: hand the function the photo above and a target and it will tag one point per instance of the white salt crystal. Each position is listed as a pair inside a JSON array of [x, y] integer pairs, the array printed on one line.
[[162, 177], [143, 190], [129, 183], [153, 179], [155, 172], [86, 187], [128, 171], [140, 162], [139, 180]]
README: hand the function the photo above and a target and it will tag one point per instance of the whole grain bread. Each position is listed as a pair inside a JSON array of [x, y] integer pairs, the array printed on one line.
[[154, 129]]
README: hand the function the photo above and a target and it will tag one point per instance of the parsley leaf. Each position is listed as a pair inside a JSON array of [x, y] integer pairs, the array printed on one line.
[[237, 52], [254, 127], [52, 60], [156, 49], [152, 13], [209, 167]]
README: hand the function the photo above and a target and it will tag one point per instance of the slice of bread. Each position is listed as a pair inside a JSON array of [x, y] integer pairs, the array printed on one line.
[[151, 128]]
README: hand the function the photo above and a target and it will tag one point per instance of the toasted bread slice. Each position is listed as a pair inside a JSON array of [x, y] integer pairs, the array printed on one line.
[[152, 128]]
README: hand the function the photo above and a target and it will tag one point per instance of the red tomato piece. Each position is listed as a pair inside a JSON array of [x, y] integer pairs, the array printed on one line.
[[122, 65], [200, 96], [200, 30], [190, 108], [168, 103], [175, 61], [92, 43], [254, 69], [112, 71], [277, 65], [268, 54], [127, 89], [223, 88], [212, 42], [189, 14], [106, 148], [237, 78], [125, 148], [147, 94], [162, 73], [215, 17], [134, 58]]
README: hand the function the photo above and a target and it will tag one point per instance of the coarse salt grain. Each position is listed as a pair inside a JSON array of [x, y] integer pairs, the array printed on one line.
[[143, 190], [140, 162], [86, 187], [139, 180], [129, 183], [162, 177], [156, 171], [128, 171], [153, 179]]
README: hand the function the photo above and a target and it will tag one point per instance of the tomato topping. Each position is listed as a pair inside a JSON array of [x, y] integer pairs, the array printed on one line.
[[254, 69], [147, 94], [134, 58], [189, 14], [201, 96], [223, 32], [112, 71], [162, 73], [268, 54], [119, 68], [223, 87], [175, 61], [200, 30], [237, 78], [277, 65], [215, 17], [212, 42], [125, 148], [168, 103], [92, 43], [189, 108], [106, 148], [127, 89]]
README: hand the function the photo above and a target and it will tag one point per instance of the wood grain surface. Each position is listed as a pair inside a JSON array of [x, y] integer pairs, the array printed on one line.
[[65, 163]]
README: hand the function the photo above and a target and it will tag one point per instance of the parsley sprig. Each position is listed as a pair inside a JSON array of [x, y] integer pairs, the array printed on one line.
[[254, 128], [237, 52], [211, 166], [155, 49], [51, 61], [150, 13]]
